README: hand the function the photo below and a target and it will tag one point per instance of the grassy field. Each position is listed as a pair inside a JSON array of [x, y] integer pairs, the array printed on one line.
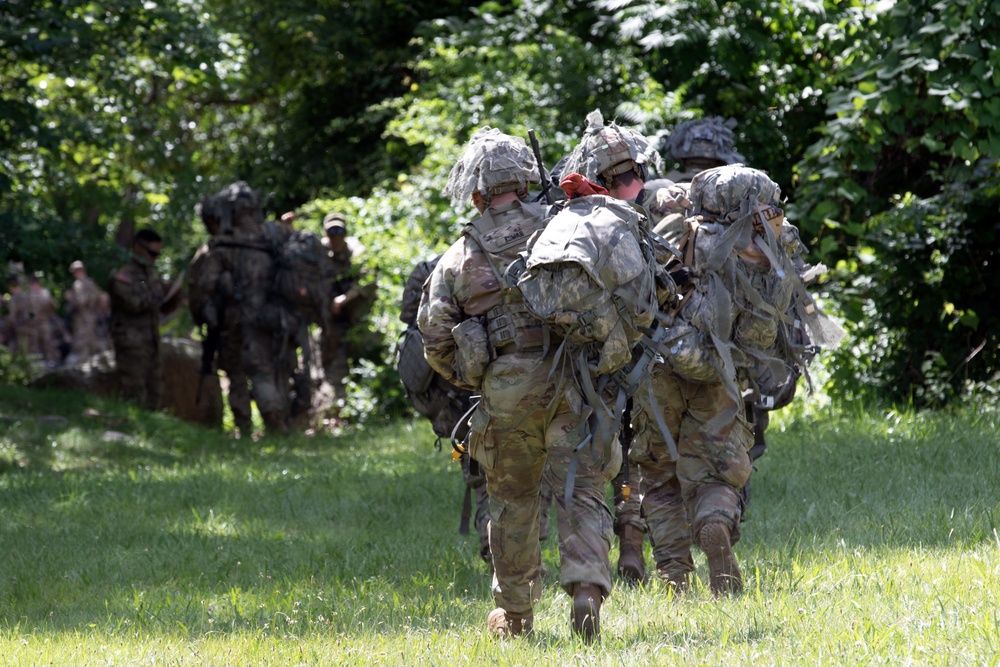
[[129, 538]]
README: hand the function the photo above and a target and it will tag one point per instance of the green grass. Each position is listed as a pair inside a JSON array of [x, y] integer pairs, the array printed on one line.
[[129, 538]]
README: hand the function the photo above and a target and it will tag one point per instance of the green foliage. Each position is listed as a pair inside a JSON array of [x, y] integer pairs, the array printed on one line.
[[925, 290]]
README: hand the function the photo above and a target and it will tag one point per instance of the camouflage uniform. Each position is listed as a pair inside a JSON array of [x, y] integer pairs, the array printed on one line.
[[86, 302], [207, 309], [136, 298], [742, 307], [242, 275], [343, 275], [478, 334]]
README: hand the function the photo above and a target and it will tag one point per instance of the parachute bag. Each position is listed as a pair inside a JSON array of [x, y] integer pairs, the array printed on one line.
[[413, 368]]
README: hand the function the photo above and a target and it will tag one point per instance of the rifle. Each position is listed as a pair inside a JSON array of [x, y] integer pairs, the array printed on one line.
[[545, 181], [209, 346]]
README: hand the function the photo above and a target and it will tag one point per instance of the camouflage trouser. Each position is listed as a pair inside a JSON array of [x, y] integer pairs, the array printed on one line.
[[712, 437], [231, 363], [85, 341], [527, 427], [333, 354], [140, 373], [265, 361]]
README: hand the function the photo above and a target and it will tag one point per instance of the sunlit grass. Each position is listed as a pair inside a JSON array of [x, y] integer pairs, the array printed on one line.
[[132, 538]]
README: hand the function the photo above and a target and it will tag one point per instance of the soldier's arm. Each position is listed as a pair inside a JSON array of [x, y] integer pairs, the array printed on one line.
[[440, 311], [131, 295]]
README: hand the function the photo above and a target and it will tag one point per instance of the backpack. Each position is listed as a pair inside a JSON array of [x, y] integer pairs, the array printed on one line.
[[744, 320], [589, 276], [413, 368], [299, 271]]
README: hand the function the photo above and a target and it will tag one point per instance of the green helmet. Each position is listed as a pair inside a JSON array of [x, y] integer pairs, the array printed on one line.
[[608, 150], [730, 192], [492, 163], [706, 138]]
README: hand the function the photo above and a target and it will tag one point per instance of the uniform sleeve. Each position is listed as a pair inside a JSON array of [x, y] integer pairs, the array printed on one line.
[[439, 312], [130, 293]]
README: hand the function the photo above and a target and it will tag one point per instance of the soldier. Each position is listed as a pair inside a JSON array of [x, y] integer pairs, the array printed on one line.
[[87, 305], [479, 337], [221, 317], [36, 326], [241, 278], [350, 301], [697, 145], [445, 404], [738, 319], [137, 294]]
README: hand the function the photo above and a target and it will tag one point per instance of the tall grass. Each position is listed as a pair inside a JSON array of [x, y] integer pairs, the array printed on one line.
[[130, 538]]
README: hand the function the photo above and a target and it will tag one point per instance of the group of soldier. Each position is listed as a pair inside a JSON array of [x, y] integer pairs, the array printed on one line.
[[256, 287], [524, 417], [30, 323]]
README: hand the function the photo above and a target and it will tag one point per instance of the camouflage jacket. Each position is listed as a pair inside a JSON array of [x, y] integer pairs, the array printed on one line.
[[136, 294], [467, 285]]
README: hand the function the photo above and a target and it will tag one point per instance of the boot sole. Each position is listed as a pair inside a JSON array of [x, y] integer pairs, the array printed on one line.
[[722, 566]]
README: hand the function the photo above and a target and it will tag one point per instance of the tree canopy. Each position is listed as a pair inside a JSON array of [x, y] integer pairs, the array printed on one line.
[[879, 120]]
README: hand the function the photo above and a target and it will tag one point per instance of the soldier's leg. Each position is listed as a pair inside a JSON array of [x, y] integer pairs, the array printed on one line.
[[507, 440], [133, 367], [663, 506], [260, 363], [584, 520], [712, 471]]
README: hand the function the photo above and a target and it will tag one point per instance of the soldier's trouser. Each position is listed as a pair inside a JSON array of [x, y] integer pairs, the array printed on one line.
[[333, 354], [84, 342], [140, 374], [525, 427], [265, 366], [239, 390], [712, 438]]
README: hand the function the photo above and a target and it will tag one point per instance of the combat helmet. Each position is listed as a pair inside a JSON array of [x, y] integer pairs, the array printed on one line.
[[732, 192], [608, 150], [704, 138], [221, 210], [492, 163]]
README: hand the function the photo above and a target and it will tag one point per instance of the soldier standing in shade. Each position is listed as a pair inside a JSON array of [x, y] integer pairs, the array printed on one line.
[[87, 304], [137, 294], [350, 301]]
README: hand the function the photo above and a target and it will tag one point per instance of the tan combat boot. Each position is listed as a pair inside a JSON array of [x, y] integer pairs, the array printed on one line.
[[505, 624], [631, 559], [586, 612], [714, 539]]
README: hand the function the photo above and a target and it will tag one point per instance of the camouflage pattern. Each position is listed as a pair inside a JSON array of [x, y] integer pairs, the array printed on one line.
[[713, 438], [530, 419], [207, 308], [137, 293], [607, 150], [702, 139], [343, 273], [492, 163], [87, 305]]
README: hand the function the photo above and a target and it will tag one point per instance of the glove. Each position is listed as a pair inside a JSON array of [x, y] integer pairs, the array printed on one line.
[[682, 276]]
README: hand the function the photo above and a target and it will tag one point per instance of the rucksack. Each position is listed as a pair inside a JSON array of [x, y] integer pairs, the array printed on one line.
[[589, 276], [299, 271], [413, 368], [744, 321]]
